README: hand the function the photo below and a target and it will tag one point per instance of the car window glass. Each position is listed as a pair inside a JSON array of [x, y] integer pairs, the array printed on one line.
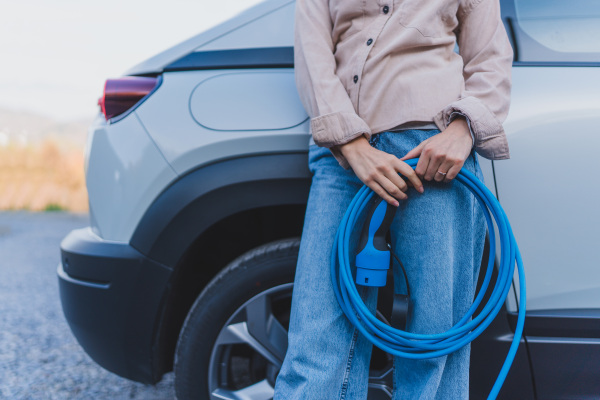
[[562, 26]]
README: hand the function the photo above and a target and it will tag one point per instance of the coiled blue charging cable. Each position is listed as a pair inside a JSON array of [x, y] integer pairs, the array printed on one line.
[[421, 346]]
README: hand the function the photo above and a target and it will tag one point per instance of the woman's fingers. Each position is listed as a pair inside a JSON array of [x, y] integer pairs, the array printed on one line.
[[388, 184], [435, 163], [409, 173], [379, 190], [416, 152], [437, 166], [374, 178], [392, 188], [442, 171], [453, 171], [380, 170], [393, 184], [422, 165], [396, 179]]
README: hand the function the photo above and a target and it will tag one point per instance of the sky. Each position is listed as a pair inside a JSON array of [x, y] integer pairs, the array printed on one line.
[[55, 55]]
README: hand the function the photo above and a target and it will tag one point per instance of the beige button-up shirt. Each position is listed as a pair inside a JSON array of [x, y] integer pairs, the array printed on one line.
[[366, 66]]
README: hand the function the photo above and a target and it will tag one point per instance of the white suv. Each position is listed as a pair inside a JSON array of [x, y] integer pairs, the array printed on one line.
[[197, 177]]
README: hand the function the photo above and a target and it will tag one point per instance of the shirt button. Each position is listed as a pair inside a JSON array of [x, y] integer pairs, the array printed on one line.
[[369, 42], [386, 9], [355, 78]]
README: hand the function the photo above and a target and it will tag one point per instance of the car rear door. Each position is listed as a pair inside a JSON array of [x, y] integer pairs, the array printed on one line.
[[550, 188]]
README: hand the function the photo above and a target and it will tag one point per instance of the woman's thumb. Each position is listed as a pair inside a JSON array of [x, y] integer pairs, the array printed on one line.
[[416, 152]]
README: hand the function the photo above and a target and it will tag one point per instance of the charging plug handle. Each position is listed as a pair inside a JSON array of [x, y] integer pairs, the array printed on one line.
[[373, 256]]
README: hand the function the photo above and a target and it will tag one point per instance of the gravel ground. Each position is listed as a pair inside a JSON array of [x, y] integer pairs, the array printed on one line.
[[39, 357]]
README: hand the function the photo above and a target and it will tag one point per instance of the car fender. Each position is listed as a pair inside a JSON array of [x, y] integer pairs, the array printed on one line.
[[202, 197]]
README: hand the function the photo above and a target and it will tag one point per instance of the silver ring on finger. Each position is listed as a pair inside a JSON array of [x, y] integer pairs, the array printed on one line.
[[442, 173]]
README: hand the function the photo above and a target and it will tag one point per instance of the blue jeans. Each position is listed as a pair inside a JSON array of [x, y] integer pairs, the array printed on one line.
[[438, 235]]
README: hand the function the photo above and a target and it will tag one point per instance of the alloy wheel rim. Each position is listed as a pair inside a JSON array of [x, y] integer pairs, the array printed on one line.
[[257, 330]]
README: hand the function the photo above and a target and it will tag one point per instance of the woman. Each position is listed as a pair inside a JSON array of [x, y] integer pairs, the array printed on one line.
[[382, 83]]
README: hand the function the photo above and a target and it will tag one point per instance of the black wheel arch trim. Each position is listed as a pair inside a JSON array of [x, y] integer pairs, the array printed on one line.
[[203, 197]]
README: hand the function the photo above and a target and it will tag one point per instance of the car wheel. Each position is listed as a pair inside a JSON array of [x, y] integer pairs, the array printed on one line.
[[234, 338]]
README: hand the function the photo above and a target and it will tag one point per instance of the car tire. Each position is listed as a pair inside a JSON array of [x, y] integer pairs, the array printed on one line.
[[218, 354]]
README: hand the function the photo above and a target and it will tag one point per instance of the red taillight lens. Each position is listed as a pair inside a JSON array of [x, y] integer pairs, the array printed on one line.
[[121, 94]]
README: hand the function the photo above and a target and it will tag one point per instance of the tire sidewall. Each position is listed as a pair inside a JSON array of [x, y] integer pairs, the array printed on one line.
[[254, 272]]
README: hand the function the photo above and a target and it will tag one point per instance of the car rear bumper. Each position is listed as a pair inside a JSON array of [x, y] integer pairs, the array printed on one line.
[[111, 296]]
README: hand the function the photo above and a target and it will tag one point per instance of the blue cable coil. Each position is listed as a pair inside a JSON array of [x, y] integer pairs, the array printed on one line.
[[421, 346]]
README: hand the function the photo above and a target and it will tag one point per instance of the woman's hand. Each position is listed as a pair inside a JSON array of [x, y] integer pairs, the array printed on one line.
[[379, 170], [443, 155]]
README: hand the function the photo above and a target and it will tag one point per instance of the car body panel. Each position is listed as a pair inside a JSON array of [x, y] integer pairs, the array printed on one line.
[[547, 187], [248, 101], [194, 145], [549, 192], [125, 171]]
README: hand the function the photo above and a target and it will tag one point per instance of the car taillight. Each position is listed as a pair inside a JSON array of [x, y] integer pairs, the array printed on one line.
[[123, 93]]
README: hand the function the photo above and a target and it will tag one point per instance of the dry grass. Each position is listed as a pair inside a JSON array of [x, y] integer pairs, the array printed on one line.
[[42, 176]]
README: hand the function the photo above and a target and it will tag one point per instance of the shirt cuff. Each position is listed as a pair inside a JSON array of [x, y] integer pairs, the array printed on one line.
[[338, 128], [334, 129], [457, 114], [490, 139], [339, 157]]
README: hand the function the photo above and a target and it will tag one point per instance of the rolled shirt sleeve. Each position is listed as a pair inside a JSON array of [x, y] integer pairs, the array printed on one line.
[[456, 114], [487, 57], [334, 120]]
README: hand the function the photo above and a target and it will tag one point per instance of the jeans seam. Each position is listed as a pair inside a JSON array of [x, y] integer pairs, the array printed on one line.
[[344, 390]]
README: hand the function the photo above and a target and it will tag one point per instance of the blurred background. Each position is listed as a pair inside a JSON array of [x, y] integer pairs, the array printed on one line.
[[54, 59]]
